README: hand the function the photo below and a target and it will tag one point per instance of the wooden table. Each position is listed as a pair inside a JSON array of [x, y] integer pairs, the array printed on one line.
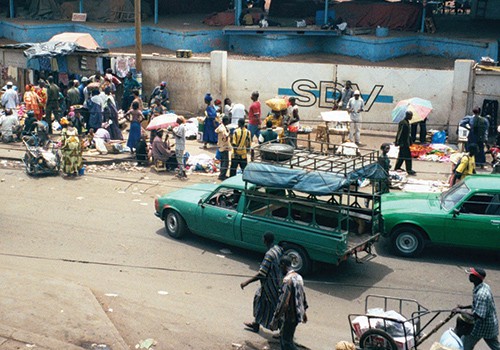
[[340, 120]]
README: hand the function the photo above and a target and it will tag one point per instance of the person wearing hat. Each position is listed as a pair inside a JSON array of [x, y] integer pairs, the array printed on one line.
[[483, 311], [10, 99], [209, 134], [355, 107], [453, 337], [160, 92]]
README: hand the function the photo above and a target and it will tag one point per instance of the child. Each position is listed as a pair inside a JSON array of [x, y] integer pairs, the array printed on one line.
[[141, 152]]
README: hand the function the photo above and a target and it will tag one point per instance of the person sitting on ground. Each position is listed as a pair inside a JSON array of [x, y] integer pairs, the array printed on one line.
[[141, 153], [452, 338], [268, 135], [161, 149], [101, 138], [29, 123], [9, 126], [247, 19]]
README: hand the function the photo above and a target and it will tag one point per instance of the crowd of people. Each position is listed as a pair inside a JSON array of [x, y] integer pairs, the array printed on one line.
[[84, 113]]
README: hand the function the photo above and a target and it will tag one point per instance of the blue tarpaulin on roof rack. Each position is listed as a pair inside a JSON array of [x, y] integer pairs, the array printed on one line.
[[318, 183], [312, 182]]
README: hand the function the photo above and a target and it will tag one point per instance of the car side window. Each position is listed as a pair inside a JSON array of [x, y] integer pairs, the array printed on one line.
[[494, 206], [227, 198], [480, 204]]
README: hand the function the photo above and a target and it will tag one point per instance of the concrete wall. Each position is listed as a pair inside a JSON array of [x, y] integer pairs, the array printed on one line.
[[367, 47], [452, 92], [313, 84], [198, 41], [188, 80]]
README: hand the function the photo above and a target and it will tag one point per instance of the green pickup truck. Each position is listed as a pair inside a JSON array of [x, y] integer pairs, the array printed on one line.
[[310, 226]]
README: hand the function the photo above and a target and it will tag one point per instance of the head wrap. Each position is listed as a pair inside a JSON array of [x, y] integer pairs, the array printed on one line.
[[208, 97]]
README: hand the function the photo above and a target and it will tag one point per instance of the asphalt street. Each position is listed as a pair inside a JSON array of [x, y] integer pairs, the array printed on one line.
[[98, 231]]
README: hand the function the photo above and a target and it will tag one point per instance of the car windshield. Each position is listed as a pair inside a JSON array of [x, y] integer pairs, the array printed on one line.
[[450, 198]]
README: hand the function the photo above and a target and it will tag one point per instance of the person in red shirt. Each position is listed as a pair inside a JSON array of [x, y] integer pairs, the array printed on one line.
[[254, 114]]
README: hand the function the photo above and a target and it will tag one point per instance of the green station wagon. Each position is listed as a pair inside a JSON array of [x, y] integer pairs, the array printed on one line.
[[238, 213], [467, 215]]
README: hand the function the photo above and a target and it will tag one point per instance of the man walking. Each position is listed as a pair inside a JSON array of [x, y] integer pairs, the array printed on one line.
[[254, 115], [270, 276], [484, 312], [403, 140], [224, 143], [355, 107], [292, 306]]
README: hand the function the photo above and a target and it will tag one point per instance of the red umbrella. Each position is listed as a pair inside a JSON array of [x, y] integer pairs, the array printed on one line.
[[163, 121]]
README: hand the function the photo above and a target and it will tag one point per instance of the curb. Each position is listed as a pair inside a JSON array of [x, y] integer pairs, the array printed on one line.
[[22, 336]]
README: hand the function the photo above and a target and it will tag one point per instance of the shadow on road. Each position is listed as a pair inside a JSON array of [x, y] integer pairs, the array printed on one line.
[[348, 281], [446, 255]]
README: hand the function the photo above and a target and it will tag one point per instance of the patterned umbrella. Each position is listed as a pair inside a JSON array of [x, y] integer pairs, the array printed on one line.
[[418, 106]]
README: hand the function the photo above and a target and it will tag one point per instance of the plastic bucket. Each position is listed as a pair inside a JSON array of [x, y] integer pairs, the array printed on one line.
[[381, 31], [81, 172]]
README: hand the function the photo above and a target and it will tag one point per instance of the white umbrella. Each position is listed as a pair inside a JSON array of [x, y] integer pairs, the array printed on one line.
[[163, 121]]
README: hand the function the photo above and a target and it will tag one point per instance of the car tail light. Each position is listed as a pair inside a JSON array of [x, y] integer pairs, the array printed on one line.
[[157, 205]]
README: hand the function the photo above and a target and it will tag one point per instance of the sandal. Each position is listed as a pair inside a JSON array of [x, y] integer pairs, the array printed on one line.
[[253, 326]]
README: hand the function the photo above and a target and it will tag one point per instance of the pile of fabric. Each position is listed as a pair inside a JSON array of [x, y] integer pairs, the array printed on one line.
[[202, 163], [435, 152]]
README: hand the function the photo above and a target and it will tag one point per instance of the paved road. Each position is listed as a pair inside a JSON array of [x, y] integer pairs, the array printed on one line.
[[99, 231]]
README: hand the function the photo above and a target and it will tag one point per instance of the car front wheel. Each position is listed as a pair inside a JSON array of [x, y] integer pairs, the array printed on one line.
[[175, 224], [408, 241]]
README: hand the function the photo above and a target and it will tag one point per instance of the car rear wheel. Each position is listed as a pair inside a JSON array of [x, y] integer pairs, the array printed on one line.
[[301, 262], [175, 224], [408, 241]]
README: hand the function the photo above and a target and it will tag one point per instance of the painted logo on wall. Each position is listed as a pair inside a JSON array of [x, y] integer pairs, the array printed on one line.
[[309, 94]]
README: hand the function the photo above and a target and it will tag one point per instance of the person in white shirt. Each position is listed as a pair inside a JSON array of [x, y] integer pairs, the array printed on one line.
[[355, 107], [237, 112], [9, 124], [10, 99]]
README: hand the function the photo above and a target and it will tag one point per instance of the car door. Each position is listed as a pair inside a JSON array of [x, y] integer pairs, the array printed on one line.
[[217, 214], [477, 222]]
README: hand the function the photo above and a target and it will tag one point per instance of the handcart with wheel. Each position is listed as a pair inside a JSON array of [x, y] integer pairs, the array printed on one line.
[[391, 323]]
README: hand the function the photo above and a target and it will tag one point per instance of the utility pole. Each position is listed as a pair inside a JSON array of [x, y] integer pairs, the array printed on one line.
[[138, 41]]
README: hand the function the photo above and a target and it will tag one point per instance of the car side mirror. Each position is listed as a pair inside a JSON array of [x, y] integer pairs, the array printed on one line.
[[456, 212], [200, 203]]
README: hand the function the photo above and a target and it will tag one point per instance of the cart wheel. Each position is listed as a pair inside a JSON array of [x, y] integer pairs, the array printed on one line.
[[377, 339]]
